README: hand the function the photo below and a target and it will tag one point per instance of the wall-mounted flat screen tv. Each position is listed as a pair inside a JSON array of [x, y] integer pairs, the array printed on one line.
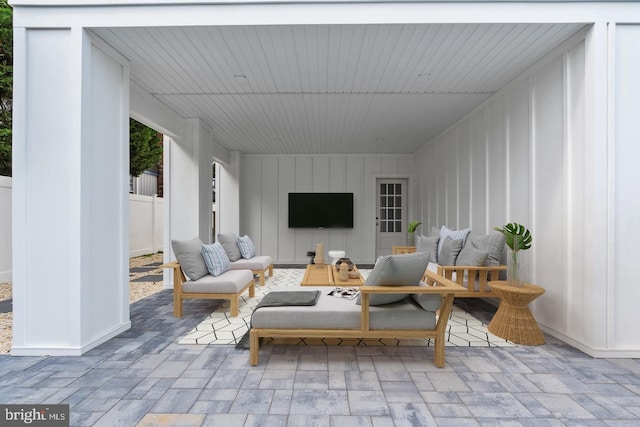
[[320, 210]]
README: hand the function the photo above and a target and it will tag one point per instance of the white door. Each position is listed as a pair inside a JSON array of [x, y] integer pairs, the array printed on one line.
[[391, 222]]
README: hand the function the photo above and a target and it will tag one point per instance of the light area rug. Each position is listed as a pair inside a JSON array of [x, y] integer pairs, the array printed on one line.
[[219, 328]]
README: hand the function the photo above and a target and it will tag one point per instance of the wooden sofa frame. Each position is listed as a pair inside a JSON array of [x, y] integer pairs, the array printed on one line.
[[442, 286], [476, 275], [178, 295], [261, 273]]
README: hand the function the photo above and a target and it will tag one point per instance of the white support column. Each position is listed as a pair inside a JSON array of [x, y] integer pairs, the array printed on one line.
[[229, 194], [70, 211], [188, 193]]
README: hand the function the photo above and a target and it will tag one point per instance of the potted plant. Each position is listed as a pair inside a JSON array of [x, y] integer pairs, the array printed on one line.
[[411, 237], [517, 238]]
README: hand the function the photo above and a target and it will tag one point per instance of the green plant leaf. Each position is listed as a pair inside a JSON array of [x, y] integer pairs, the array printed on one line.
[[516, 235], [413, 225]]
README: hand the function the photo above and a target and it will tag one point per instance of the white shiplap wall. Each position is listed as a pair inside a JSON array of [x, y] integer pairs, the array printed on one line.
[[266, 181]]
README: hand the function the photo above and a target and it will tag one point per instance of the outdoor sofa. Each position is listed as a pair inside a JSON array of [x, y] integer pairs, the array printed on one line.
[[203, 272], [393, 303], [467, 258]]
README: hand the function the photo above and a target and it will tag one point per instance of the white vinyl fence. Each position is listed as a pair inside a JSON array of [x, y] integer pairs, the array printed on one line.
[[145, 226], [5, 229]]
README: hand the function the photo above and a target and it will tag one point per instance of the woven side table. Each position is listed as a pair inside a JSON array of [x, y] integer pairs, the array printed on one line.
[[513, 321]]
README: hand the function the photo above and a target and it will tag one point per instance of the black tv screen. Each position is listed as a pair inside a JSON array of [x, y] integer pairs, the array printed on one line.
[[320, 210]]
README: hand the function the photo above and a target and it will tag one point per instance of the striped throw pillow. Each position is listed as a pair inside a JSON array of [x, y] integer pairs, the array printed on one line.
[[247, 249], [216, 259]]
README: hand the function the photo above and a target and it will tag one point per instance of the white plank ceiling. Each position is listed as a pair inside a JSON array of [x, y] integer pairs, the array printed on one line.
[[340, 89]]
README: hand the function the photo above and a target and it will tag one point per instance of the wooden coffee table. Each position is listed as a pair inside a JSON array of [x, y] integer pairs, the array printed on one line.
[[327, 275]]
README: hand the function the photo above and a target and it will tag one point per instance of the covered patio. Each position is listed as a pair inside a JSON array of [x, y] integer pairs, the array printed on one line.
[[492, 112]]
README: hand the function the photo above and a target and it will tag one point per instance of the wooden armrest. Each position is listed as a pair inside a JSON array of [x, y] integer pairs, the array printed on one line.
[[172, 264], [178, 275], [469, 275]]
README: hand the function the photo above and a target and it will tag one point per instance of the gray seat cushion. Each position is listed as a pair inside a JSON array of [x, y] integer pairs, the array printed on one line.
[[229, 282], [341, 313], [260, 262]]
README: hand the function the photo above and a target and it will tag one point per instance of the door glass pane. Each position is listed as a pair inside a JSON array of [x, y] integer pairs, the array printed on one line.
[[391, 208]]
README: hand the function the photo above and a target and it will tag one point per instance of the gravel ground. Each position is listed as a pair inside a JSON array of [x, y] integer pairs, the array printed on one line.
[[137, 291]]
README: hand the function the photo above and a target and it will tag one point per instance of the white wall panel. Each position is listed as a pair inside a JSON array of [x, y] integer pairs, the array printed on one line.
[[497, 171], [479, 170], [266, 181], [286, 184], [405, 165], [388, 165], [270, 208], [464, 176], [627, 192], [549, 192], [321, 174], [519, 156], [355, 183], [337, 183], [544, 169], [371, 168], [303, 240], [450, 174], [250, 199], [578, 230]]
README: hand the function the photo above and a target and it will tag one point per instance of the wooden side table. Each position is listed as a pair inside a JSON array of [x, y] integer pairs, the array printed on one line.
[[513, 321]]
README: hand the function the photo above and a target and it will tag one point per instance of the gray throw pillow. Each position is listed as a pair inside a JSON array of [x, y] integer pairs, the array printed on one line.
[[493, 243], [189, 255], [396, 270], [472, 256], [229, 242], [455, 235], [428, 302], [428, 244], [449, 252]]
